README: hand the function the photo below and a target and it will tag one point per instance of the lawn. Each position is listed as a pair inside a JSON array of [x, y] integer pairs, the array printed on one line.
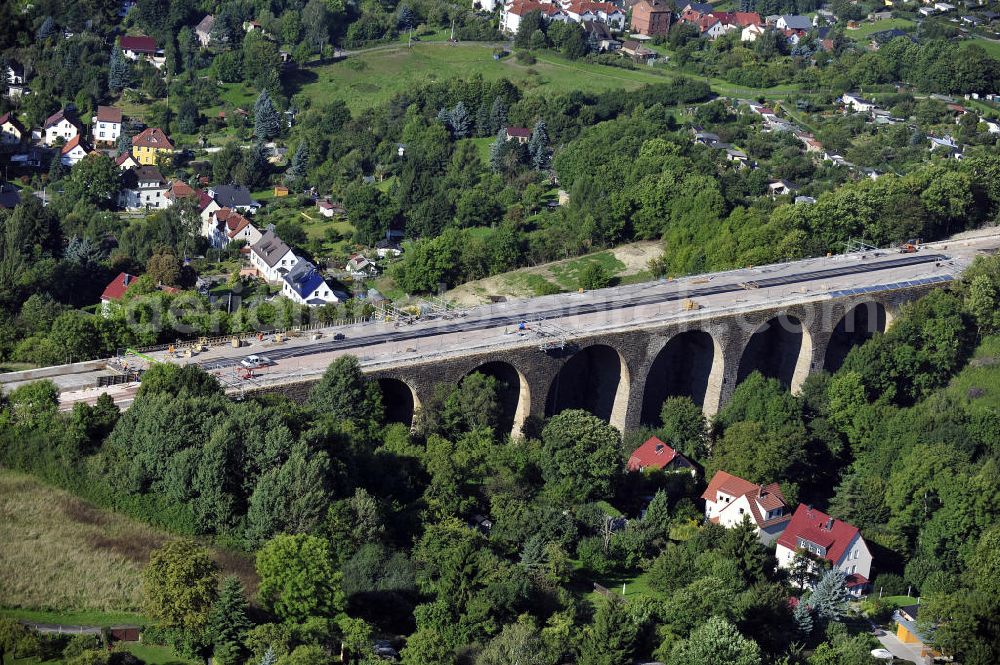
[[979, 382], [64, 555], [636, 586], [362, 81], [992, 48], [76, 618], [866, 29], [149, 653], [482, 147], [568, 273]]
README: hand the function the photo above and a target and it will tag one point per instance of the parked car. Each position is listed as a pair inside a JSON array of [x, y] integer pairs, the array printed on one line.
[[385, 650], [253, 362], [338, 336], [882, 654]]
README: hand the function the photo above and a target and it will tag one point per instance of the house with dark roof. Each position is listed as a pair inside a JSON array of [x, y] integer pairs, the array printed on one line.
[[305, 285], [106, 126], [519, 134], [143, 188], [655, 454], [792, 22], [9, 196], [12, 132], [141, 47], [204, 30], [272, 257], [729, 498], [832, 540], [62, 124], [228, 225], [236, 197]]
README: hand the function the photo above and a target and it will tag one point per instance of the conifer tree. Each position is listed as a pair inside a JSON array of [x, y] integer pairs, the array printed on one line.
[[300, 161], [460, 121], [267, 121], [228, 621], [538, 146], [498, 116], [119, 72], [830, 598]]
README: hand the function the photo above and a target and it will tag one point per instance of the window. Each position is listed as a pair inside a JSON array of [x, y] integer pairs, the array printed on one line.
[[102, 136], [853, 570]]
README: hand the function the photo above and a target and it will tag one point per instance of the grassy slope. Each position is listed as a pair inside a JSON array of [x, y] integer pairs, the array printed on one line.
[[866, 29], [77, 561], [372, 78], [981, 377]]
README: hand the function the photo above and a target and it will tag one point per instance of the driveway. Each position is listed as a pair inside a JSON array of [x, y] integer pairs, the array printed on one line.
[[910, 652]]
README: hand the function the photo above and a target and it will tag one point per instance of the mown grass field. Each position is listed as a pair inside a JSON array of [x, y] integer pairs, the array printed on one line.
[[78, 563], [867, 28], [991, 47], [979, 382], [373, 77]]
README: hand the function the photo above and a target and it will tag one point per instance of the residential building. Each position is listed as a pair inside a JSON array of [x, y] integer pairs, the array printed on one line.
[[203, 31], [329, 209], [9, 196], [728, 498], [206, 207], [633, 49], [106, 126], [832, 540], [486, 5], [781, 188], [230, 225], [144, 188], [386, 248], [150, 144], [236, 197], [115, 290], [655, 454], [651, 17], [73, 151], [857, 103], [60, 125], [12, 132], [126, 161], [798, 23], [179, 190], [141, 47], [305, 285], [599, 38], [944, 7], [272, 257], [510, 17], [579, 11], [519, 134], [15, 73], [360, 267], [751, 33]]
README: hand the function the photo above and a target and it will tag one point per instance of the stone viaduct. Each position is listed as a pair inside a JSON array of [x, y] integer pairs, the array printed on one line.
[[624, 376]]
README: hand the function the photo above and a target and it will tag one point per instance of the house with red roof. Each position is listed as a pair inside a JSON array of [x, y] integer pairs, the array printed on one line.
[[115, 290], [226, 225], [655, 454], [519, 134], [126, 161], [510, 17], [73, 151], [142, 47], [728, 498], [823, 537]]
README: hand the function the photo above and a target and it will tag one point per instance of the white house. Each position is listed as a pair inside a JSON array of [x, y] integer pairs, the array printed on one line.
[[106, 126], [73, 151], [12, 132], [787, 22], [143, 188], [305, 285], [204, 30], [60, 125], [857, 103], [485, 5], [271, 257], [226, 225], [944, 7], [141, 47], [751, 33], [781, 188], [926, 11], [360, 267], [510, 17], [830, 539], [728, 498]]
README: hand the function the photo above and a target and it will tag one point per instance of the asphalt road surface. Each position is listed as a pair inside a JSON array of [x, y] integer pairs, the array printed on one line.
[[401, 334]]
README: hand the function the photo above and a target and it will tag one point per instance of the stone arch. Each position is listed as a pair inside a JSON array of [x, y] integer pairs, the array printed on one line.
[[399, 400], [688, 364], [780, 348], [515, 393], [858, 325], [595, 379]]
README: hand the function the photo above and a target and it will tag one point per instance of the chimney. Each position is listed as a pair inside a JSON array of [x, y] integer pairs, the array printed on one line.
[[829, 523], [760, 491]]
